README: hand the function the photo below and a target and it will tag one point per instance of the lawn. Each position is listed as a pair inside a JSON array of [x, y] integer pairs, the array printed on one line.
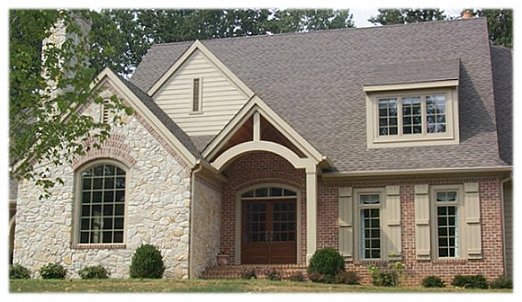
[[219, 286]]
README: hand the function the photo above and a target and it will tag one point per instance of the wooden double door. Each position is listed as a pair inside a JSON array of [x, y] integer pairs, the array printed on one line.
[[269, 231]]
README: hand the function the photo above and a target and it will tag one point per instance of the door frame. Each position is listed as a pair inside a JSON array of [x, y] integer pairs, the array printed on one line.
[[239, 217]]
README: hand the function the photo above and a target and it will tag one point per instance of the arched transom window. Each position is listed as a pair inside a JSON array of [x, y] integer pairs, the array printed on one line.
[[102, 208], [268, 192]]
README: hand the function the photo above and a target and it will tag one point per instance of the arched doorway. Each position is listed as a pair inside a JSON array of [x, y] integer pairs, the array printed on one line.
[[269, 224]]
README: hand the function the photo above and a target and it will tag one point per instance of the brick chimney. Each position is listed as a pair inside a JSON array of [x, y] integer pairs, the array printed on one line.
[[466, 14]]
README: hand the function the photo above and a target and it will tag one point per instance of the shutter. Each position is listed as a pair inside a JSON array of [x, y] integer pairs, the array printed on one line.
[[472, 232], [422, 222], [392, 216], [346, 222]]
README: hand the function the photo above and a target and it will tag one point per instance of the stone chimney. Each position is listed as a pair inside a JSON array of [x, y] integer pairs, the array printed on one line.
[[466, 14]]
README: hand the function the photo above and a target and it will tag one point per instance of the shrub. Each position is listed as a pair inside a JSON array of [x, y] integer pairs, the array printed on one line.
[[476, 281], [249, 274], [326, 261], [53, 271], [297, 277], [346, 278], [432, 281], [389, 277], [501, 282], [16, 271], [273, 276], [147, 262], [321, 278], [94, 272]]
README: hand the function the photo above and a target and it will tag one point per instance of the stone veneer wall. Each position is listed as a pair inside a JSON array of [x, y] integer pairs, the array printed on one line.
[[252, 169], [205, 226], [157, 207], [492, 264]]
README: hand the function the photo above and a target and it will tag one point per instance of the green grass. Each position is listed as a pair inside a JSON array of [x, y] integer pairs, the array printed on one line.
[[209, 286]]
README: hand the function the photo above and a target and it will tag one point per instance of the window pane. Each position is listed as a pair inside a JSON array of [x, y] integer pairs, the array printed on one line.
[[248, 194], [289, 193], [263, 192], [388, 116], [411, 115], [370, 199], [99, 207], [436, 113], [276, 192]]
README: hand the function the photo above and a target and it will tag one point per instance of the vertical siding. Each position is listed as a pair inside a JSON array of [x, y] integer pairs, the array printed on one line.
[[221, 99]]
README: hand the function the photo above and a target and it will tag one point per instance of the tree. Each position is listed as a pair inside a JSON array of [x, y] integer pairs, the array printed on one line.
[[500, 21], [500, 25], [48, 81], [403, 16]]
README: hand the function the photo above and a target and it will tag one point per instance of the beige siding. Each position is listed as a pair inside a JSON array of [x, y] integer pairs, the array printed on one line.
[[508, 226], [220, 98]]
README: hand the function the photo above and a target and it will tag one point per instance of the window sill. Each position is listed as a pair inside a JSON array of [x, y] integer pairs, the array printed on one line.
[[105, 246], [196, 113], [449, 261], [412, 142]]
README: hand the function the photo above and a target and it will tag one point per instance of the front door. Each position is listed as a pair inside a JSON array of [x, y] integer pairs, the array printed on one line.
[[269, 232]]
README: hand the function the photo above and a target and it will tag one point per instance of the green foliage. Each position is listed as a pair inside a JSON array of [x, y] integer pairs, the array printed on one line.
[[501, 282], [297, 277], [403, 16], [326, 261], [320, 278], [53, 271], [388, 276], [475, 281], [432, 281], [500, 21], [47, 83], [346, 278], [16, 271], [147, 262], [248, 274], [273, 275], [94, 272]]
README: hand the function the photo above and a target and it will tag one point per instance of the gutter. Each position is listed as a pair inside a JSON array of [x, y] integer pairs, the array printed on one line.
[[197, 168], [335, 175], [504, 220]]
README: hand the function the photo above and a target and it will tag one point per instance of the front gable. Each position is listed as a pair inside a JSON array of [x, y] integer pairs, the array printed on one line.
[[199, 93]]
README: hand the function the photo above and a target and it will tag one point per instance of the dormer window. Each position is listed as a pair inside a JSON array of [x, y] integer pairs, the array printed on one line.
[[411, 117]]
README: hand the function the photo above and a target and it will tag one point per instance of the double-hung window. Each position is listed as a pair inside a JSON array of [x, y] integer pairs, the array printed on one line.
[[447, 202], [368, 209]]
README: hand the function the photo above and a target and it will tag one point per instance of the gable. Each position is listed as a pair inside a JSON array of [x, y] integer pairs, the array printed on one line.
[[220, 97]]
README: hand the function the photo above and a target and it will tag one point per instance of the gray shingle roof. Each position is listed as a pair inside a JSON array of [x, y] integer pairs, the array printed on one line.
[[315, 81], [502, 63], [163, 117]]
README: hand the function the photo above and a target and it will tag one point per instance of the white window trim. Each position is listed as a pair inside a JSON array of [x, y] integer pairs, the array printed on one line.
[[75, 242], [451, 136], [357, 221], [460, 253], [200, 98]]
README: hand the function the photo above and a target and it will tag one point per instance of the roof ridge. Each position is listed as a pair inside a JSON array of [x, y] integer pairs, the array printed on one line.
[[318, 31]]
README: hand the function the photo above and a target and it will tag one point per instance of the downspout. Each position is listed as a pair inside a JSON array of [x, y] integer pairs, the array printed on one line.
[[504, 219], [197, 168]]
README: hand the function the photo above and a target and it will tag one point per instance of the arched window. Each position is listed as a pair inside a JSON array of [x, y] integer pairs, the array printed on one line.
[[102, 204]]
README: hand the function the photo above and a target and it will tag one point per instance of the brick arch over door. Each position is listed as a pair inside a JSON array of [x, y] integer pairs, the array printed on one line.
[[252, 169]]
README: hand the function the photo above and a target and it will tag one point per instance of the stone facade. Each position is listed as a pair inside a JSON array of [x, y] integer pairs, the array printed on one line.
[[157, 207], [205, 226]]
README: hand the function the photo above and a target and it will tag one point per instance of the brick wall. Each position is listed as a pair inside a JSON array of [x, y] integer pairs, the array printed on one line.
[[251, 169], [491, 216]]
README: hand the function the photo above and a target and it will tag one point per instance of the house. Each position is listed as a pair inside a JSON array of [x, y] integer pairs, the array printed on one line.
[[388, 143]]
